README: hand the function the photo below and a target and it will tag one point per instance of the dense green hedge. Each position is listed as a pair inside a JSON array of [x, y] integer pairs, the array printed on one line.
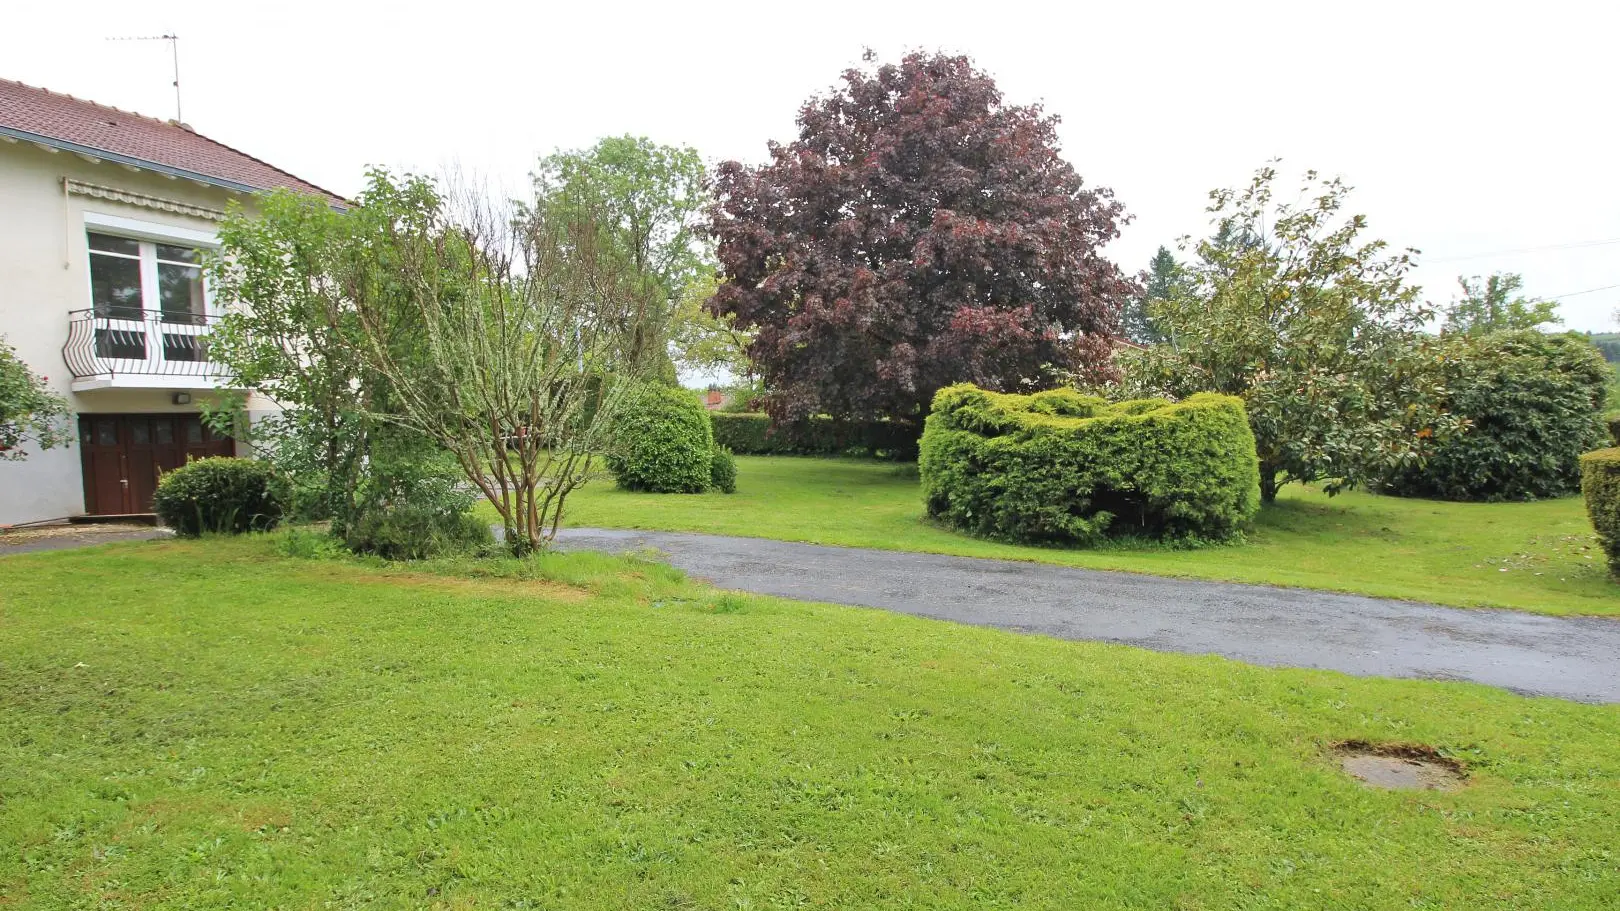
[[752, 434], [1062, 467], [723, 470], [662, 442], [1600, 485], [219, 495], [1534, 403], [1613, 422]]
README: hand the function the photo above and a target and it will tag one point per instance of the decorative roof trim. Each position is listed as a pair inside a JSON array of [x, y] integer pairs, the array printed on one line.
[[80, 188]]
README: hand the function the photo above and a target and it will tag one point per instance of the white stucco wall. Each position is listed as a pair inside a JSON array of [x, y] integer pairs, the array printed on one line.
[[44, 274]]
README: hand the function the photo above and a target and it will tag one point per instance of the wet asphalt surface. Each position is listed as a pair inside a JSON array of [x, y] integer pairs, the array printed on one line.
[[1569, 657]]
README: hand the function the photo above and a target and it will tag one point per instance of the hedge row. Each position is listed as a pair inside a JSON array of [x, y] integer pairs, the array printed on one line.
[[1062, 467], [1600, 485], [753, 434]]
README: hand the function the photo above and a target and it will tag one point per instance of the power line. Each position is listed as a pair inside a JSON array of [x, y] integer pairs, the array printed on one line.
[[1569, 246], [1578, 293]]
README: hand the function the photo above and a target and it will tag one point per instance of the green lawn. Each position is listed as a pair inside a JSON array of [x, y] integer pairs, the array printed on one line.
[[210, 724], [1532, 556]]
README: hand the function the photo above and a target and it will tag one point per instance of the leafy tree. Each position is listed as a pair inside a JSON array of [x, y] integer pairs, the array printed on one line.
[[705, 343], [1486, 306], [919, 232], [29, 411], [648, 199], [1158, 282], [1312, 326]]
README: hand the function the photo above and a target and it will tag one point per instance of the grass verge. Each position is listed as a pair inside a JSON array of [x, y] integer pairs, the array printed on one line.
[[210, 724], [1538, 557]]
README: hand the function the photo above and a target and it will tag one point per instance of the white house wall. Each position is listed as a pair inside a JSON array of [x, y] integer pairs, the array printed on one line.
[[44, 274]]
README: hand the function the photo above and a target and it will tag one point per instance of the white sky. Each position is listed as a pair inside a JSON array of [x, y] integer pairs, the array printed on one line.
[[1466, 128]]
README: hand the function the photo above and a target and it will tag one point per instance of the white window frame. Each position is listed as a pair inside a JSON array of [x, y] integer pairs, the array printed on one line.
[[148, 235]]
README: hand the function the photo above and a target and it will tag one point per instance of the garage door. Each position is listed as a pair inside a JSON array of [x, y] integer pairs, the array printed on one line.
[[125, 454]]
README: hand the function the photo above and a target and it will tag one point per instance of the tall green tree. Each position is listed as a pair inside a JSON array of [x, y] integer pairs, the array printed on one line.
[[1312, 325], [1157, 283], [648, 201], [1494, 305], [29, 411]]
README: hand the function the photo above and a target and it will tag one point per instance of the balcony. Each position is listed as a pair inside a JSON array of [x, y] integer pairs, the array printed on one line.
[[130, 348]]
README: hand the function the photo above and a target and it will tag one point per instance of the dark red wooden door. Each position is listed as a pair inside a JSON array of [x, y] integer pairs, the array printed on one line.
[[124, 455]]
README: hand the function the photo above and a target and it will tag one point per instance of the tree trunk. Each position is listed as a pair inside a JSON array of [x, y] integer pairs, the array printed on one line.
[[1268, 486]]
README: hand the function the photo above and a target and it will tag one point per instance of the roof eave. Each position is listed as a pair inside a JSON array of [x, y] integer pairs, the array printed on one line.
[[133, 162]]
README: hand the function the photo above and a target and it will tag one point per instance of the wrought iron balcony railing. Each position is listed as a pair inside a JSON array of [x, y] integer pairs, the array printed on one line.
[[107, 342]]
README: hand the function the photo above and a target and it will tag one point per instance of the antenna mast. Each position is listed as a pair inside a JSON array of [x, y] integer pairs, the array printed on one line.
[[174, 56]]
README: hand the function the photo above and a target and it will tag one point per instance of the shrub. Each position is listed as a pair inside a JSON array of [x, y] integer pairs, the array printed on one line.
[[662, 442], [1533, 402], [415, 511], [1600, 485], [753, 434], [416, 531], [1613, 422], [723, 470], [219, 495], [1062, 467]]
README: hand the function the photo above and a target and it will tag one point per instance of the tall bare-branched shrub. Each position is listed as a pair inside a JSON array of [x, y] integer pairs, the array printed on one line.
[[523, 328]]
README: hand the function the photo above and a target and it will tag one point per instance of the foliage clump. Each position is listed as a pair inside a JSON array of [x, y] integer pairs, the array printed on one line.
[[1064, 467], [662, 442], [29, 411], [1600, 485], [722, 470], [919, 231], [219, 495], [1532, 402]]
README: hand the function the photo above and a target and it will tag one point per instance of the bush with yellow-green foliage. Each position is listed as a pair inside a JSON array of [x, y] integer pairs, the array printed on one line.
[[1064, 467], [1600, 485]]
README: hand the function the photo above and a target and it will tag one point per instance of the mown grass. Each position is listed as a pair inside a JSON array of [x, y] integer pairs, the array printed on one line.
[[210, 724], [1531, 556]]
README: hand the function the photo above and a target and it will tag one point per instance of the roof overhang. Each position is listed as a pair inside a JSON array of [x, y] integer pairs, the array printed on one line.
[[129, 161]]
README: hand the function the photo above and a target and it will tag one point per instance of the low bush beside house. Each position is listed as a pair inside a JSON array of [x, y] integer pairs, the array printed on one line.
[[1600, 485], [1063, 467], [1612, 421], [1533, 402], [219, 495], [662, 442]]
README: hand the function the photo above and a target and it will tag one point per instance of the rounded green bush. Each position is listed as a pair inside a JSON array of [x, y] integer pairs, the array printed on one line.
[[1533, 402], [723, 470], [1600, 486], [415, 531], [1062, 467], [219, 495], [662, 442]]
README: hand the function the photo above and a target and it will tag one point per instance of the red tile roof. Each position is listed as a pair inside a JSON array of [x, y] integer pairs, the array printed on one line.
[[84, 123]]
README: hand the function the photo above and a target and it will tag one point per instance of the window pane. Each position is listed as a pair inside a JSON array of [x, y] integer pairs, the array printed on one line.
[[115, 244], [180, 293], [163, 431], [140, 432], [194, 430], [106, 432], [121, 343], [174, 254], [183, 347], [115, 286]]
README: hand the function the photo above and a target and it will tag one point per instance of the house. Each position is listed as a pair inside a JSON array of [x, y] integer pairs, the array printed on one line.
[[102, 215]]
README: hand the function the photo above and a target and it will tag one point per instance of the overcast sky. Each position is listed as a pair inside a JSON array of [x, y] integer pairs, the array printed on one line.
[[1469, 130]]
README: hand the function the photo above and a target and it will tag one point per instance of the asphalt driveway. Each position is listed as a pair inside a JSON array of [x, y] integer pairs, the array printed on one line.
[[1569, 657]]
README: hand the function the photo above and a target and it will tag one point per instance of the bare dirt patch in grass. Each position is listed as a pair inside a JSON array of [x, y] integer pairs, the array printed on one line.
[[1399, 766]]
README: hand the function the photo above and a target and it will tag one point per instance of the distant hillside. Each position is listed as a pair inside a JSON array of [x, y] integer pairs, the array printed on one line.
[[1609, 344]]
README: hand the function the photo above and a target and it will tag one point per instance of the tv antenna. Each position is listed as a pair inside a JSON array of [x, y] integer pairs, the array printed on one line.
[[174, 55]]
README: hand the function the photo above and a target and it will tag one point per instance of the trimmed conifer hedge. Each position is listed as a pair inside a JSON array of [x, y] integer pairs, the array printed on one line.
[[1063, 467], [1600, 485]]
